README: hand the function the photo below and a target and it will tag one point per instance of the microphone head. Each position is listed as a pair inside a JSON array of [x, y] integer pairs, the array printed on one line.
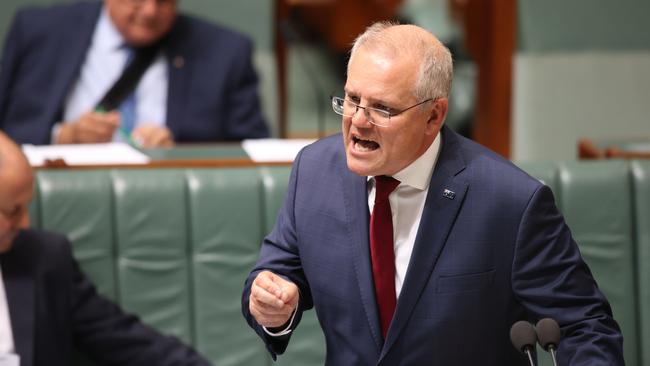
[[548, 333], [523, 336]]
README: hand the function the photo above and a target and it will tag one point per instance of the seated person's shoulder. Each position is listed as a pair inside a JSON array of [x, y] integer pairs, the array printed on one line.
[[50, 18], [42, 244]]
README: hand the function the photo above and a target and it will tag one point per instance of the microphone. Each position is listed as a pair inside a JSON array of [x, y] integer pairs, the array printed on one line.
[[291, 36], [524, 338], [548, 335]]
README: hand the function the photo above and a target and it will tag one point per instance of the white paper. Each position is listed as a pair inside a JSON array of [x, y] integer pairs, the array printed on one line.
[[274, 150], [114, 153]]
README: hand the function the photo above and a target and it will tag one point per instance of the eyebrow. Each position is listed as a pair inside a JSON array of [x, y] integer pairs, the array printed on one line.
[[372, 101]]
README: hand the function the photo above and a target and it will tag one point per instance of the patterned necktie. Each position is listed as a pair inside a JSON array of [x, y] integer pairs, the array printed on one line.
[[128, 105], [382, 251], [127, 112]]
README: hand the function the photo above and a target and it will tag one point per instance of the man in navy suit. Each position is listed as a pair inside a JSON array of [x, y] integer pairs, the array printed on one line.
[[48, 307], [59, 62], [415, 245]]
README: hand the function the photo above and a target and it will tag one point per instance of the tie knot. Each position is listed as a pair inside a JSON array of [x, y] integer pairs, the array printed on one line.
[[384, 185]]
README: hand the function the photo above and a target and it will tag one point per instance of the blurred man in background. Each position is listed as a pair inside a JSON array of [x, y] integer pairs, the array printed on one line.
[[94, 72]]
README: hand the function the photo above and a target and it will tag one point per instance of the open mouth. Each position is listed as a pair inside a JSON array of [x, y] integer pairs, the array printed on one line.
[[364, 145]]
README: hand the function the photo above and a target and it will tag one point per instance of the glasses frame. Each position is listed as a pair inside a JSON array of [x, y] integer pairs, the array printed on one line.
[[338, 100], [140, 3]]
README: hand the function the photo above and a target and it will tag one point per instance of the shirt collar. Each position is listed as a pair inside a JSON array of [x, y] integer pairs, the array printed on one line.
[[418, 173], [106, 35]]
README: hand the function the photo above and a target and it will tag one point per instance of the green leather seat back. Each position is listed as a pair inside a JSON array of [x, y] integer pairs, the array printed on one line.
[[596, 200], [641, 174], [175, 246], [225, 218], [274, 183], [152, 248], [79, 204]]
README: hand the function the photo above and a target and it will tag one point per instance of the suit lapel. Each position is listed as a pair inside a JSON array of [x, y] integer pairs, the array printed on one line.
[[438, 217], [19, 285], [74, 44], [356, 204]]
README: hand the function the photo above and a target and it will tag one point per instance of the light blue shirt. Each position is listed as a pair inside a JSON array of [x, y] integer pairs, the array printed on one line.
[[103, 65]]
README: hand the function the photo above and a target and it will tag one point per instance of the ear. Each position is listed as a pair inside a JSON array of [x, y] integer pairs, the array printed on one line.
[[437, 115]]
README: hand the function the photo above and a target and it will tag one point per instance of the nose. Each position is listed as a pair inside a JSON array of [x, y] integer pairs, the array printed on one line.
[[360, 118], [149, 7], [21, 221], [25, 221]]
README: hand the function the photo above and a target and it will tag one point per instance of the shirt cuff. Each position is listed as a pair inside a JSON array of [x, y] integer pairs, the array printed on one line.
[[286, 330]]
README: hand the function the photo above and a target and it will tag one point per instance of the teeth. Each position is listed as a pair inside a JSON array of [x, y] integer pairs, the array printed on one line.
[[360, 147], [365, 145]]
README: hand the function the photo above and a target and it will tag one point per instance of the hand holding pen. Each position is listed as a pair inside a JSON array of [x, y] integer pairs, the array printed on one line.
[[91, 127]]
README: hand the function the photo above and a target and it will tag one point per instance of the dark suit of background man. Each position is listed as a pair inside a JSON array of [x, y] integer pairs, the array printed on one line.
[[55, 71], [50, 306], [477, 244]]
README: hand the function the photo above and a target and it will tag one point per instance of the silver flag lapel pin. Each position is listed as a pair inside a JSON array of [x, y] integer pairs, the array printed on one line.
[[449, 194]]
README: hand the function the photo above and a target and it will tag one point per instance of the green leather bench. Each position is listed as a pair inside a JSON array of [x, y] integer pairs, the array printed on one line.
[[175, 245]]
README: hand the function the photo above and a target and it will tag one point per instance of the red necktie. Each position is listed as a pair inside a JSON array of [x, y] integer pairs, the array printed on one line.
[[381, 250]]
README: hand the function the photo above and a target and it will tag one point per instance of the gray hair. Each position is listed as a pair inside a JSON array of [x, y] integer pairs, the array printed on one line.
[[436, 69]]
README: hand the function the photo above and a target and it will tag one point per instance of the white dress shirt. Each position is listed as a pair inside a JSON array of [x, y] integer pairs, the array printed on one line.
[[407, 204], [103, 65], [6, 335]]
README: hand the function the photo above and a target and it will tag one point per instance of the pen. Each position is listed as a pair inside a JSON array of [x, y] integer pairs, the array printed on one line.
[[124, 134]]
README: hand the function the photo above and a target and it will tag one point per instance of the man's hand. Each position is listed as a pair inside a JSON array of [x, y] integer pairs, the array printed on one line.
[[272, 300], [91, 127], [150, 136]]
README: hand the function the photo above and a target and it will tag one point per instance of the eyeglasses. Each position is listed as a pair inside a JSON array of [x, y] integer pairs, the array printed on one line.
[[376, 116]]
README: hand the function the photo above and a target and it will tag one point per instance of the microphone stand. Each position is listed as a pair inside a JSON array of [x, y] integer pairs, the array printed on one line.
[[530, 357], [552, 351]]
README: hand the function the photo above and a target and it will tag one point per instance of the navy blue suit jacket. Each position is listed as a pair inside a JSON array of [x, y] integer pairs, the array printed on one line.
[[498, 252], [54, 309], [212, 93]]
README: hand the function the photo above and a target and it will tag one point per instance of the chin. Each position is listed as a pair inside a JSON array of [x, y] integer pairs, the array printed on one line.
[[142, 39], [359, 168], [5, 246]]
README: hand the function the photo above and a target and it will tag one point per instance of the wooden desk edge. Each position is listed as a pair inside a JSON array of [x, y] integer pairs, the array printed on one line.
[[172, 163]]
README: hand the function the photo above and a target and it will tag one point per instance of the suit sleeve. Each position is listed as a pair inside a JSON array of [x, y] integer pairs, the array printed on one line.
[[244, 118], [550, 278], [279, 254], [109, 336]]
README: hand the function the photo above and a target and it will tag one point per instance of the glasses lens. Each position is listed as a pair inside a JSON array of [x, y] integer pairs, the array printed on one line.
[[348, 108], [379, 117], [337, 105]]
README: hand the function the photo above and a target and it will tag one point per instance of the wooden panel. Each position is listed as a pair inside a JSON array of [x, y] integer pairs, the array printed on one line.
[[490, 28]]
